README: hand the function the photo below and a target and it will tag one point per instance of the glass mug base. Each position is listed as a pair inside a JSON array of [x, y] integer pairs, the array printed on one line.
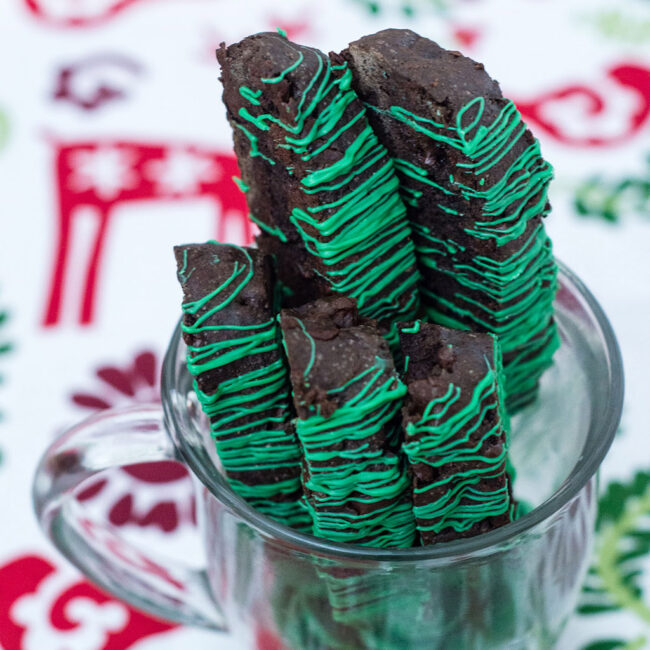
[[514, 587]]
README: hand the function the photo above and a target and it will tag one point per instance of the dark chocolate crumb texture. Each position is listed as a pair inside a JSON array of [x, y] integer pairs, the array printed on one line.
[[348, 398], [318, 182], [456, 432], [475, 185], [235, 353]]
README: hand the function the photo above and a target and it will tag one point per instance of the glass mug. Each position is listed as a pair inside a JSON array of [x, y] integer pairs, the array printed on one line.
[[514, 587]]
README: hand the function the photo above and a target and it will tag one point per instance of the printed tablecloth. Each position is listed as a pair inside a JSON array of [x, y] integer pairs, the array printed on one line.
[[114, 146]]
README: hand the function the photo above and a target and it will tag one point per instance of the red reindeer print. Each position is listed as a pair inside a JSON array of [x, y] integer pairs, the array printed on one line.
[[44, 606], [597, 105], [93, 82], [149, 495], [108, 174]]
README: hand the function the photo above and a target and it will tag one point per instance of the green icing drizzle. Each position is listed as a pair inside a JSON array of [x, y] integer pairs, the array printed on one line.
[[513, 199], [250, 95], [272, 230], [248, 412], [514, 297], [281, 31], [361, 239], [183, 275], [253, 139], [312, 351], [284, 73], [406, 168], [240, 184], [337, 476], [515, 301], [413, 329], [442, 438]]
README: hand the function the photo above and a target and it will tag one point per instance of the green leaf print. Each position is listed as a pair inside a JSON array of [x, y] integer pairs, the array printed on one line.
[[408, 8], [5, 347], [615, 579], [615, 645], [612, 200], [4, 129], [619, 25]]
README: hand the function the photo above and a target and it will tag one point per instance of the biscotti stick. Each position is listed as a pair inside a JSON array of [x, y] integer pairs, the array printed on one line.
[[315, 175], [456, 438], [235, 354], [348, 396], [475, 185]]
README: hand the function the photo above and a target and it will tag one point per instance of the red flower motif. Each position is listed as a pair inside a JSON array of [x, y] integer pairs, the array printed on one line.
[[148, 494], [137, 382], [598, 107], [76, 13], [44, 606]]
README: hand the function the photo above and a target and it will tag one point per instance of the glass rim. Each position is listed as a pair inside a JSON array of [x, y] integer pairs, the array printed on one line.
[[601, 433]]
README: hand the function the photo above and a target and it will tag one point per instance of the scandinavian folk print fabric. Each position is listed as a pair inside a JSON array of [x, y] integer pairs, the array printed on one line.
[[114, 146]]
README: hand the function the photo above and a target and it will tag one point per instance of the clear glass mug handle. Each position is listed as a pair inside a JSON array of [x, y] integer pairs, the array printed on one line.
[[110, 439]]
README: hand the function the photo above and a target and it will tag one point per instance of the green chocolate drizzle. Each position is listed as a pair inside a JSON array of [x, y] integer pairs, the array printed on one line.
[[248, 413], [253, 139], [512, 298], [357, 492], [240, 184], [446, 436], [271, 230], [412, 329], [250, 95], [356, 226], [513, 199]]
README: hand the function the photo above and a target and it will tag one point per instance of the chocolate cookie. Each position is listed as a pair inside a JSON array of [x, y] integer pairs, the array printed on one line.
[[235, 353], [317, 178], [347, 396], [475, 185], [456, 432]]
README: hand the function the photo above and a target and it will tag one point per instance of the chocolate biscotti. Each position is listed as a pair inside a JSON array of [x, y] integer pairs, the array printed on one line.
[[234, 352], [348, 396], [317, 180], [475, 185], [455, 432], [399, 195]]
